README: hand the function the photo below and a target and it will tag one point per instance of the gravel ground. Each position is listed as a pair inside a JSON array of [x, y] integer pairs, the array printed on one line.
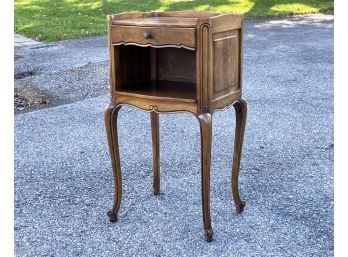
[[63, 183], [48, 75]]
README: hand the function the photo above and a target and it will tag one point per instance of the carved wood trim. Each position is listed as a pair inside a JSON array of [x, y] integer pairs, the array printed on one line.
[[154, 46], [155, 105], [205, 63]]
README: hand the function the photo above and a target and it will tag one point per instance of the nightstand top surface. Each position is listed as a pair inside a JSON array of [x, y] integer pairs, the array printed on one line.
[[159, 21]]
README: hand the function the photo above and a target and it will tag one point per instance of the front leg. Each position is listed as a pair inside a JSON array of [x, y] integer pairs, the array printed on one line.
[[155, 152], [206, 134], [110, 119]]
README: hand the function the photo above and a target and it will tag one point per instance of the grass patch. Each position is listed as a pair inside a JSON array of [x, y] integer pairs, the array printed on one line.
[[51, 20]]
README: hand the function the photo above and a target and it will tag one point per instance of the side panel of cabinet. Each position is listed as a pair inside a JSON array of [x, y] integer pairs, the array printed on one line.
[[227, 61]]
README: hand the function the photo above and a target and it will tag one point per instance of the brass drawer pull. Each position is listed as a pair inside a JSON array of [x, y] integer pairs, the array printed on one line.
[[147, 35]]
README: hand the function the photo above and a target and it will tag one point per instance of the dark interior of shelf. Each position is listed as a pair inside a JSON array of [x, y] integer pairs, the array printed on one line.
[[159, 72]]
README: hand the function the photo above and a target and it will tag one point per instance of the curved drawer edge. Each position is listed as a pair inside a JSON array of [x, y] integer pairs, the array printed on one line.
[[153, 45]]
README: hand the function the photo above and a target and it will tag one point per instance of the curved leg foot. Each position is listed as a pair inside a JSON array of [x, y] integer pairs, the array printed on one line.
[[240, 207], [155, 152], [205, 126], [112, 215], [110, 119], [241, 113], [209, 235]]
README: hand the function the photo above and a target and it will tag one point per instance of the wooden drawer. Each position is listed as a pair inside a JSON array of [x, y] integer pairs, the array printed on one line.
[[155, 36]]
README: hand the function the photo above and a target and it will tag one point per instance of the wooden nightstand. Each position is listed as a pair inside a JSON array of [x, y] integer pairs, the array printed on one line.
[[181, 61]]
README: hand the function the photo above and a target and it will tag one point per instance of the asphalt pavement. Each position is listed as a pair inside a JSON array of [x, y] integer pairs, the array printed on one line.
[[63, 179]]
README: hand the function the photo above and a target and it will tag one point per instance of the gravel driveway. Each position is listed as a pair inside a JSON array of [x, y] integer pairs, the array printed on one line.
[[63, 183]]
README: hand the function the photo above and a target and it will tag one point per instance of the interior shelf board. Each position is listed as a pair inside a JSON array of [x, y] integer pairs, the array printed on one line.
[[179, 91]]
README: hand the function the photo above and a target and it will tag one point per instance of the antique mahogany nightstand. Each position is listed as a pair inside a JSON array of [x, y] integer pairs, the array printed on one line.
[[181, 61]]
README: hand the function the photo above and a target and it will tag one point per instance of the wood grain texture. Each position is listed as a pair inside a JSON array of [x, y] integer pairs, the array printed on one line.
[[188, 13], [181, 61], [112, 59], [184, 22], [205, 62], [214, 65], [176, 65], [225, 100], [241, 115], [177, 14], [110, 119], [226, 22], [206, 134], [162, 89], [158, 104], [130, 15], [226, 62], [158, 36], [155, 151], [241, 35]]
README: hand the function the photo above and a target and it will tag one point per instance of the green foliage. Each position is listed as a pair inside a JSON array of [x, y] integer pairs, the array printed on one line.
[[50, 20]]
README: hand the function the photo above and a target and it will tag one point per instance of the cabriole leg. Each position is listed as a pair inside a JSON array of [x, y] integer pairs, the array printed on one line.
[[206, 134], [241, 113], [155, 152], [110, 119]]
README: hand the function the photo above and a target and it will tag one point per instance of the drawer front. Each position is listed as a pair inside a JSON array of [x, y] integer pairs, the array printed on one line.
[[155, 36]]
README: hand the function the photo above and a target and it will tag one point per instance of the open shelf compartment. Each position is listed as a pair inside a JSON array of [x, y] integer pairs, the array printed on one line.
[[167, 73]]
